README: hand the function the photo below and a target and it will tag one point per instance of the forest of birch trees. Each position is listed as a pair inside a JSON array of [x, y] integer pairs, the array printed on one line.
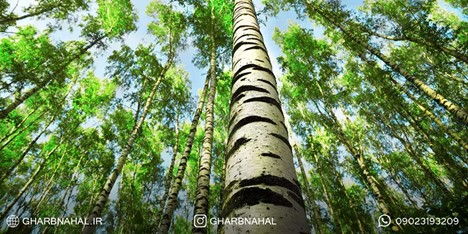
[[144, 114]]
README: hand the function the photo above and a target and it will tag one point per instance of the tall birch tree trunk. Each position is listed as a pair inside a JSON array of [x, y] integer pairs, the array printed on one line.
[[336, 220], [316, 217], [17, 133], [203, 180], [29, 182], [261, 180], [172, 200], [48, 186], [169, 176], [104, 195]]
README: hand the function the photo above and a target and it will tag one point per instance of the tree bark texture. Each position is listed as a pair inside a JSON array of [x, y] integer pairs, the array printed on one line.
[[261, 180]]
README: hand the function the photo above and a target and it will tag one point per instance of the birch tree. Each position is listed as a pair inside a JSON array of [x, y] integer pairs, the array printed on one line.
[[260, 176]]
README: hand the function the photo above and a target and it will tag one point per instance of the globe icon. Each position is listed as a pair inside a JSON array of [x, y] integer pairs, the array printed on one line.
[[12, 221]]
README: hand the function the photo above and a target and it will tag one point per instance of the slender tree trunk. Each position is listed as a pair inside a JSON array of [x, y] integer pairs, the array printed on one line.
[[358, 157], [429, 173], [22, 203], [20, 131], [448, 105], [69, 89], [25, 151], [28, 183], [335, 173], [33, 142], [261, 180], [104, 194], [23, 206], [419, 160], [316, 217], [369, 179], [203, 181], [221, 195], [372, 182], [19, 125], [357, 217], [445, 160], [394, 176], [70, 187], [19, 100], [336, 221], [172, 200], [119, 211], [440, 152], [169, 176], [380, 118], [431, 115], [48, 186]]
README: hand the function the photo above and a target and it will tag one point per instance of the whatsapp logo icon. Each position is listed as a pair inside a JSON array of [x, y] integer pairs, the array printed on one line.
[[384, 220]]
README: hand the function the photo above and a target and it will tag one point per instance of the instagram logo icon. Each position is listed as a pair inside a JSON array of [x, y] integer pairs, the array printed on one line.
[[200, 221]]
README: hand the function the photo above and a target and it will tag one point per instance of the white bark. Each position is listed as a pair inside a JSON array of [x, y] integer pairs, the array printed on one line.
[[204, 171], [104, 194], [177, 184], [260, 174]]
